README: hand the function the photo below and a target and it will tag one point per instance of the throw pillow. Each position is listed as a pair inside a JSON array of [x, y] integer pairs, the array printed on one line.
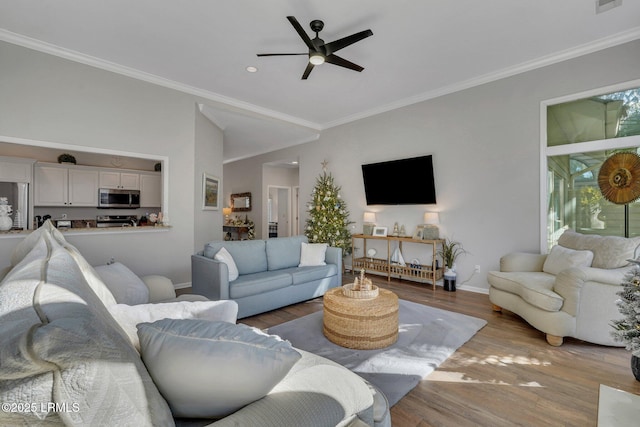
[[312, 254], [126, 287], [561, 258], [209, 369], [223, 255], [129, 316]]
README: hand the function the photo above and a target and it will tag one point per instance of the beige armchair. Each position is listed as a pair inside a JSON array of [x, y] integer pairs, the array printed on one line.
[[570, 292]]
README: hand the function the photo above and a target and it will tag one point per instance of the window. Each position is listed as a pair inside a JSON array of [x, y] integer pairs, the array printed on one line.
[[581, 133]]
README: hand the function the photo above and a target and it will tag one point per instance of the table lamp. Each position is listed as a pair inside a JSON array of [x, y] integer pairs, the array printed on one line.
[[369, 223], [226, 212], [431, 221]]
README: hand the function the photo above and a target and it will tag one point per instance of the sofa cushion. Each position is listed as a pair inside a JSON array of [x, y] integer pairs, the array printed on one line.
[[223, 255], [210, 369], [312, 254], [284, 252], [302, 275], [608, 251], [65, 348], [315, 392], [90, 276], [561, 258], [259, 283], [124, 284], [27, 244], [536, 288], [249, 255]]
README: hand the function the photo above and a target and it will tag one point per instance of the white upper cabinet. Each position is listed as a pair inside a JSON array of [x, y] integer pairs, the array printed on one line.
[[119, 180], [16, 169], [83, 187], [62, 185], [65, 186], [150, 190]]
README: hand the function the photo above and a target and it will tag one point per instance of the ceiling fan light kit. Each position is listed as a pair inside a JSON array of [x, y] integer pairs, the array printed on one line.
[[321, 52], [316, 58]]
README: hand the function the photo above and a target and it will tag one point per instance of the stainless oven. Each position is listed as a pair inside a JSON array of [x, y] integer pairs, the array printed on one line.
[[122, 199]]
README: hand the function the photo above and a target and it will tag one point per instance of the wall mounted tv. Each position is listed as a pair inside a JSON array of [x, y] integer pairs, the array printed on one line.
[[400, 182]]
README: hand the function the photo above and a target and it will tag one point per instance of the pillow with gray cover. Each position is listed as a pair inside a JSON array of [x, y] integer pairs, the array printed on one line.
[[210, 369]]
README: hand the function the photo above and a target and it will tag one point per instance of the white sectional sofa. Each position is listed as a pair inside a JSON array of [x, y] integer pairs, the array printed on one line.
[[69, 356]]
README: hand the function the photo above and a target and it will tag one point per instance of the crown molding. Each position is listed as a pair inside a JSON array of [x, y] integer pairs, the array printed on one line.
[[34, 44], [604, 43], [40, 46]]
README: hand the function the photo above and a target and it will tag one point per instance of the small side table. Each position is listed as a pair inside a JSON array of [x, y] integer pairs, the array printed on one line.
[[363, 324]]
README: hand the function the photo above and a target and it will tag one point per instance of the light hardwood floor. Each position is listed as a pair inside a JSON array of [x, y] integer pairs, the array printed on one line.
[[506, 375]]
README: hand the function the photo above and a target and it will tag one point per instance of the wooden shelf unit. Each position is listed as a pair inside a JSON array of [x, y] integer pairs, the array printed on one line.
[[384, 266]]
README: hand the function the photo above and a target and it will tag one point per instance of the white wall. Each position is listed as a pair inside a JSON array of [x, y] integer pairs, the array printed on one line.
[[207, 225], [486, 147], [46, 98]]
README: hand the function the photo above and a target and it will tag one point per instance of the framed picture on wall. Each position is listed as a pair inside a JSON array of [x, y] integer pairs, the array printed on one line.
[[380, 231], [210, 192]]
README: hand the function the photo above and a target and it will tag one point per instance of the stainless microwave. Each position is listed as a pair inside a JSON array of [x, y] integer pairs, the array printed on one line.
[[122, 199]]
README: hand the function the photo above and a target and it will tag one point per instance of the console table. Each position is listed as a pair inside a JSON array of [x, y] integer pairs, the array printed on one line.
[[235, 232], [424, 272]]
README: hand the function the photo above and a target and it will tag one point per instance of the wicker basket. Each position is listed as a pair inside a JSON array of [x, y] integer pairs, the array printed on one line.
[[347, 291]]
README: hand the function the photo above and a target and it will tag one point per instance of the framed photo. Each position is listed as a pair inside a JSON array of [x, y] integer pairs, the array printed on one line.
[[419, 233], [210, 192], [380, 231]]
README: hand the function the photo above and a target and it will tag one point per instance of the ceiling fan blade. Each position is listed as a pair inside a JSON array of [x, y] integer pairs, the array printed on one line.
[[336, 45], [281, 54], [336, 60], [307, 71], [301, 32]]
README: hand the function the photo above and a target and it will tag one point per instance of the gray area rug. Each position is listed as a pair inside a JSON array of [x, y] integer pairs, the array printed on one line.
[[427, 337]]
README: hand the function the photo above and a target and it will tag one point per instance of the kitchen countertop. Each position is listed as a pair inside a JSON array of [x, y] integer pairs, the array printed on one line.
[[92, 230]]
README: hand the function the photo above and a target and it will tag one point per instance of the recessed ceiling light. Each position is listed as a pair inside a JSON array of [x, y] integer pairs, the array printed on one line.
[[252, 69]]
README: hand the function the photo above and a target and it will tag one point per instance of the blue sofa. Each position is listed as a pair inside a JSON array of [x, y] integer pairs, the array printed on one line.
[[269, 276]]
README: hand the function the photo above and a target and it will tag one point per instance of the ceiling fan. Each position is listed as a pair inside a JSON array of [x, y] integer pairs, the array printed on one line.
[[319, 51]]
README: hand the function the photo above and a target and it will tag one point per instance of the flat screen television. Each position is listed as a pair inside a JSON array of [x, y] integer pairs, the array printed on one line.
[[400, 182]]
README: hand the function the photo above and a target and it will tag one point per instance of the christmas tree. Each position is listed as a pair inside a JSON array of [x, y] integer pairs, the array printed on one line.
[[627, 329], [328, 220]]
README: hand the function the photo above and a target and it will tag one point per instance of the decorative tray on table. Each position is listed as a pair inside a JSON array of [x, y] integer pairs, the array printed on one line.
[[361, 288]]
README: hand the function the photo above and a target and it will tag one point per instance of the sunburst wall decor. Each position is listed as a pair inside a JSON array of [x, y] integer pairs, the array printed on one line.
[[619, 178]]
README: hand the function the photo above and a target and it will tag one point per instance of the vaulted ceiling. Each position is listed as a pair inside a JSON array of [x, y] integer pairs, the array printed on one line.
[[419, 50]]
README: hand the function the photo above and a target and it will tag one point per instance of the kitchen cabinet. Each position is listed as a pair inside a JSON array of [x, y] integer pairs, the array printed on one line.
[[119, 180], [13, 169], [150, 190], [65, 186]]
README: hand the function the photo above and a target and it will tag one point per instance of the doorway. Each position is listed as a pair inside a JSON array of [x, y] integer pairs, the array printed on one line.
[[296, 210], [279, 215]]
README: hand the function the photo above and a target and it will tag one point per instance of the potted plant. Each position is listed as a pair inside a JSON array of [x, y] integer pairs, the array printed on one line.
[[627, 329], [66, 158], [449, 252]]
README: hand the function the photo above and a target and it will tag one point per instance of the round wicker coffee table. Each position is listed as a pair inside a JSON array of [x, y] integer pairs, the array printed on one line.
[[363, 324]]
